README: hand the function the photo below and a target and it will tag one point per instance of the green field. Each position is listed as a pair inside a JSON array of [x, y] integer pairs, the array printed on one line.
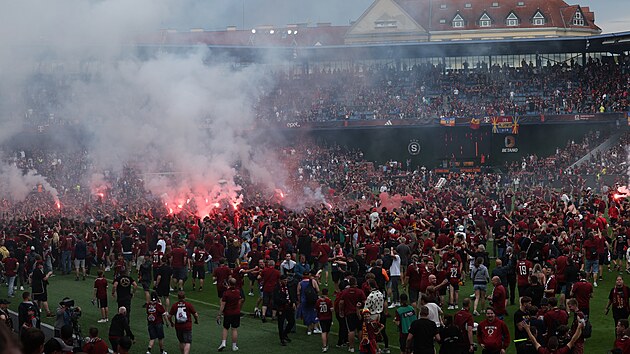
[[255, 336]]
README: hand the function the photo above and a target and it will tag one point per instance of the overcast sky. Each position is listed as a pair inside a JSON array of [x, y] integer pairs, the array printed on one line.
[[610, 15]]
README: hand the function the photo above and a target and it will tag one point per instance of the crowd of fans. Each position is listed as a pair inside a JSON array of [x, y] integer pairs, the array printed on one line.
[[380, 238], [422, 91], [427, 91], [611, 161], [388, 239]]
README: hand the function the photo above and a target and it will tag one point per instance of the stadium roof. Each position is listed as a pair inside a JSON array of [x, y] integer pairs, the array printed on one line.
[[307, 44]]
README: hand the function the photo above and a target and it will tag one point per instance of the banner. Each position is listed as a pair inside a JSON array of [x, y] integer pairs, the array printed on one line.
[[515, 125], [505, 125], [447, 122], [475, 123]]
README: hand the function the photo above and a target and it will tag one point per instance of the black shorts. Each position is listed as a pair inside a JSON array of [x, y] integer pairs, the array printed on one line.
[[231, 321], [559, 287], [156, 331], [442, 290], [618, 254], [184, 336], [40, 297], [146, 286], [352, 322], [180, 273], [199, 272], [267, 297], [413, 295], [162, 292], [455, 286], [325, 325], [603, 259], [102, 303], [336, 276]]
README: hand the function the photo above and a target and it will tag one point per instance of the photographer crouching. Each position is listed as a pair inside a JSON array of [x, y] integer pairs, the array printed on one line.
[[68, 315]]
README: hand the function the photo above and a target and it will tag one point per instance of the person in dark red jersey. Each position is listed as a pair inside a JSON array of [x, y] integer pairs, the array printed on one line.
[[221, 275], [551, 282], [179, 262], [324, 307], [413, 279], [498, 298], [619, 300], [622, 338], [591, 257], [230, 309], [582, 290], [578, 320], [523, 271], [270, 277], [239, 274], [94, 344], [493, 334], [11, 265], [199, 259], [156, 317], [100, 296], [156, 260], [180, 316], [352, 298], [464, 321], [561, 279], [553, 345], [555, 317]]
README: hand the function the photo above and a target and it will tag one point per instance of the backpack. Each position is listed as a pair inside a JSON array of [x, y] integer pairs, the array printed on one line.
[[587, 331], [181, 316], [310, 295], [387, 262]]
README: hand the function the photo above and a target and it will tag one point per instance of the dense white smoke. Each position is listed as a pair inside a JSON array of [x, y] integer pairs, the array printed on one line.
[[169, 113], [16, 185]]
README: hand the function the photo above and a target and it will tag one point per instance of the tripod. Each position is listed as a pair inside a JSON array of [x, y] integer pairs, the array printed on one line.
[[76, 331]]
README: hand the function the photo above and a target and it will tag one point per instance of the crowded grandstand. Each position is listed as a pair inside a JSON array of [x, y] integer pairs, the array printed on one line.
[[414, 183]]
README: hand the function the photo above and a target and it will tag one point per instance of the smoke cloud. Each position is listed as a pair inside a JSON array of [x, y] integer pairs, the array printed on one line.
[[16, 185], [172, 112]]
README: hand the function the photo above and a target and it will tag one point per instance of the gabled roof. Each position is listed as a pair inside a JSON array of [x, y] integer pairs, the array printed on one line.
[[569, 12], [557, 13]]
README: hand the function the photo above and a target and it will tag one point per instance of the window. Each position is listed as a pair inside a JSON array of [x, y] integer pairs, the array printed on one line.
[[458, 21], [485, 21], [385, 24], [443, 6], [495, 4], [578, 19], [468, 5], [512, 20], [520, 3], [442, 21], [539, 19]]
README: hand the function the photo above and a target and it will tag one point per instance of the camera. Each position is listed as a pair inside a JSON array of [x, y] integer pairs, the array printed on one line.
[[74, 312]]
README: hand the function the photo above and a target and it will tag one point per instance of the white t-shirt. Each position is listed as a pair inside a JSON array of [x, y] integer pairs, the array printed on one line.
[[162, 243], [394, 269], [287, 265], [374, 218], [434, 313]]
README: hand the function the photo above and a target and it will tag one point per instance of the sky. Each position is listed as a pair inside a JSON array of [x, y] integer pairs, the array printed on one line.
[[610, 15]]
